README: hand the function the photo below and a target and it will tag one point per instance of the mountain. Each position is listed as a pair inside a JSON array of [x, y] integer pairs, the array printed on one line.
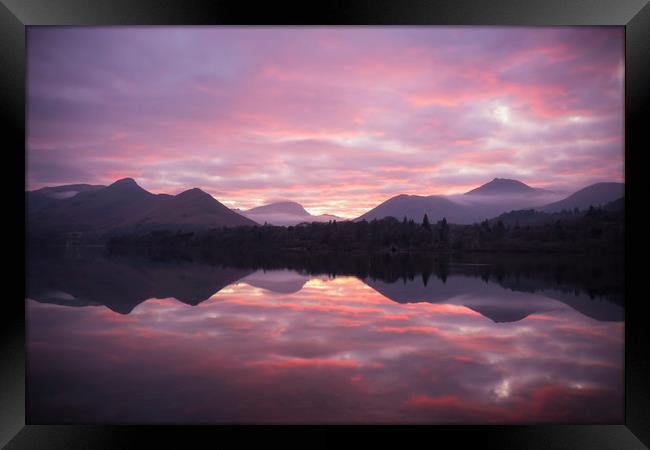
[[284, 213], [501, 195], [505, 186], [533, 217], [65, 191], [416, 206], [96, 210], [124, 205], [45, 196], [594, 195], [616, 205], [193, 207], [489, 200], [280, 208]]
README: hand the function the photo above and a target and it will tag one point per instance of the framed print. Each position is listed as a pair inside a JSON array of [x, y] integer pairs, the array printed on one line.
[[358, 217]]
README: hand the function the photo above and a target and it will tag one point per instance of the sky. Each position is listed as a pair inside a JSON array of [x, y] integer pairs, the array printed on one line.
[[338, 119]]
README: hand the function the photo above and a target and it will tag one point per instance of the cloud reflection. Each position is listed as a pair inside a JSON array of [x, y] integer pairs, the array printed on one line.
[[334, 352]]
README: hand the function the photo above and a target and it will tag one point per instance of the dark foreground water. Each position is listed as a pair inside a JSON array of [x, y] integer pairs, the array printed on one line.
[[122, 339]]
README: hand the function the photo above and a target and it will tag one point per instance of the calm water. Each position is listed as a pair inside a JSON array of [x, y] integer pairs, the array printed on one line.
[[131, 340]]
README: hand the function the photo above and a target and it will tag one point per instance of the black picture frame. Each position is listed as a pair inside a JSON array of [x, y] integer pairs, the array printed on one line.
[[15, 15]]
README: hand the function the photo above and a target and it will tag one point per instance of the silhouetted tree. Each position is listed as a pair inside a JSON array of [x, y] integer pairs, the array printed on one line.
[[443, 230], [425, 223]]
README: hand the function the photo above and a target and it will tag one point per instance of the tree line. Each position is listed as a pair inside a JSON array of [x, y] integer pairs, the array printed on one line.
[[596, 229]]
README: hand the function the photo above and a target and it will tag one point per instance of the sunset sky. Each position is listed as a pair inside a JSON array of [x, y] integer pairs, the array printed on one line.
[[338, 119]]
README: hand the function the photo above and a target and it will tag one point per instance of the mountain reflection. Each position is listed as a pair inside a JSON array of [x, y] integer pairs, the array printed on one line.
[[502, 290], [381, 341], [121, 283]]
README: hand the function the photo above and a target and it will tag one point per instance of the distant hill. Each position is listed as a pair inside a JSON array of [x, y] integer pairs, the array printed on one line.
[[284, 213], [193, 207], [45, 196], [486, 201], [505, 186], [124, 205], [96, 210], [616, 205], [594, 195], [491, 200], [66, 191], [280, 207], [533, 217], [416, 206]]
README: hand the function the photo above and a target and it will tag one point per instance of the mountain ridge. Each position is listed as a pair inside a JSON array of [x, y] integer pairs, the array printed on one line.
[[503, 186], [593, 195], [488, 201], [126, 205], [284, 213]]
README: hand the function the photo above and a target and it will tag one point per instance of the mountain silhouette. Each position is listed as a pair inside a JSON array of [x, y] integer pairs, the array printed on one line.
[[595, 195], [501, 186], [280, 207], [101, 209], [46, 196], [65, 191], [491, 200], [284, 213], [125, 205], [416, 206], [191, 207], [486, 201], [616, 205], [536, 217]]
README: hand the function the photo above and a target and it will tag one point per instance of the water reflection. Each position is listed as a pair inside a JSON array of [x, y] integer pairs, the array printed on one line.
[[130, 340]]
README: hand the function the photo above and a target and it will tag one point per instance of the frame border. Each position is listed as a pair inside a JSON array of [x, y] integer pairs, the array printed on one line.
[[15, 15]]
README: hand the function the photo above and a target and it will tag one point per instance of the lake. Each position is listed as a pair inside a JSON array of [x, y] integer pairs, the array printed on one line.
[[124, 339]]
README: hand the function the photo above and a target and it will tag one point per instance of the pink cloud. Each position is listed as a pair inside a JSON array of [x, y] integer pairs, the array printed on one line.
[[350, 115]]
